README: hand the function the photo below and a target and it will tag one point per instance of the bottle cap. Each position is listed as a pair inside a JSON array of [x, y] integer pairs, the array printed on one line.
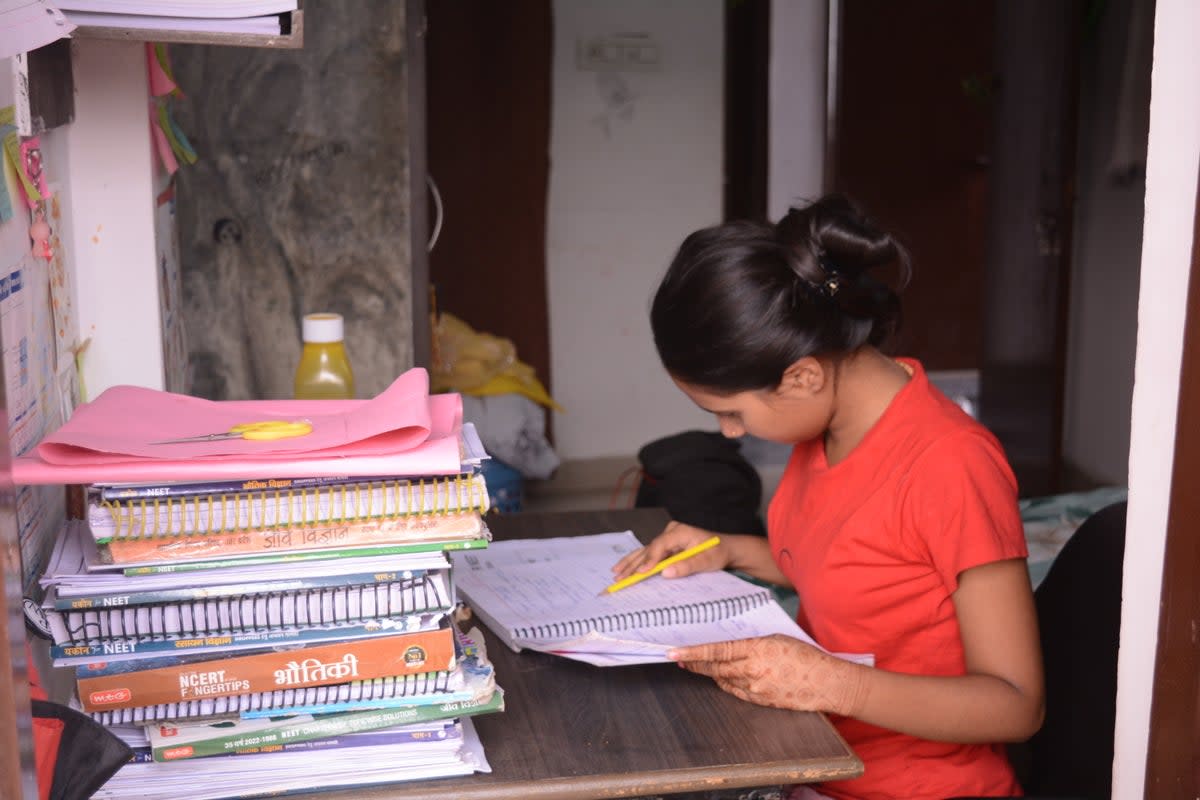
[[322, 327]]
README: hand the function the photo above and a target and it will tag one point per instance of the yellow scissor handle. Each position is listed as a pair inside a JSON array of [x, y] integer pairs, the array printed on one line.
[[271, 429]]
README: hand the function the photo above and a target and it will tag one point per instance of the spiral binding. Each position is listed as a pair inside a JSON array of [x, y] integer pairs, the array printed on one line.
[[686, 614], [293, 508], [321, 607], [424, 683]]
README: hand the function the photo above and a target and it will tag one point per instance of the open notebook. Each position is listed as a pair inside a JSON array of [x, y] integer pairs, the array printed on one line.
[[542, 594]]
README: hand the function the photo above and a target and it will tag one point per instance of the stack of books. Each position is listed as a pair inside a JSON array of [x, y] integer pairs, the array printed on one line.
[[266, 635], [206, 16]]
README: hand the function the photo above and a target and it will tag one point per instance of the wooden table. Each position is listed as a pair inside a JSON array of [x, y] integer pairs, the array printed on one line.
[[571, 730]]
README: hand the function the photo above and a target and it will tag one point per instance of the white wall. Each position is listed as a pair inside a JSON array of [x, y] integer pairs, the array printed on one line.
[[796, 129], [635, 165], [1173, 155], [1107, 239], [107, 153]]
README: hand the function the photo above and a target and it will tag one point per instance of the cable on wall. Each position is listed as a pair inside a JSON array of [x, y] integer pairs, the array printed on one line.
[[438, 212]]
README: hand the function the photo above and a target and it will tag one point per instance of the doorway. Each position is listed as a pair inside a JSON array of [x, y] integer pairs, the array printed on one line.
[[488, 122], [956, 130]]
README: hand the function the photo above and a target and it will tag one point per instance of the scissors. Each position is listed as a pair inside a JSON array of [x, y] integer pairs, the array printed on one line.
[[263, 431]]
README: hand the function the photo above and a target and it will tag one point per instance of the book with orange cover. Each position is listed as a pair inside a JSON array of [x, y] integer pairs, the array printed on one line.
[[295, 539], [102, 688], [261, 505]]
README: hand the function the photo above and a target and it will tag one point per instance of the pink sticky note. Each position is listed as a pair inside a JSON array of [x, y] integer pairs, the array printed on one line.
[[165, 153], [160, 82]]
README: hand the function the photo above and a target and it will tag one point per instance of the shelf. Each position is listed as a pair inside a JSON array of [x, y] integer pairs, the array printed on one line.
[[292, 23]]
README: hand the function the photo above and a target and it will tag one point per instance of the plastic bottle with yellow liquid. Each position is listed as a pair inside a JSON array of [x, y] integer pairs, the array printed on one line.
[[324, 372]]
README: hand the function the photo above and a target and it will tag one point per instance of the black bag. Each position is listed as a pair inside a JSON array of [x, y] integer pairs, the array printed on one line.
[[88, 753], [701, 479]]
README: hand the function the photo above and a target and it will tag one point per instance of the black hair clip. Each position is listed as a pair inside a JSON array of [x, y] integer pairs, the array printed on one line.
[[833, 277]]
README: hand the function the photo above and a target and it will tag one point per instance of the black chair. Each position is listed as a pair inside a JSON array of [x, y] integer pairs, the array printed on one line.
[[1079, 613]]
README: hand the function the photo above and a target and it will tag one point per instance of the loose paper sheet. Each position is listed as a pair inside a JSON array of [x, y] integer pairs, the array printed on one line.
[[543, 594]]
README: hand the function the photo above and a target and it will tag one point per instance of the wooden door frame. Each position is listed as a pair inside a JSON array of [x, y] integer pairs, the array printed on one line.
[[17, 777], [747, 108], [488, 78], [416, 23], [1030, 223], [1173, 754]]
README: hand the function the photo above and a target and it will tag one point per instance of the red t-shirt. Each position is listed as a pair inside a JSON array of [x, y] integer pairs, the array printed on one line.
[[874, 546]]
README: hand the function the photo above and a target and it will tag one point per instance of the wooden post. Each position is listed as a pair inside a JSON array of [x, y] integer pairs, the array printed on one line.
[[17, 778], [1172, 765]]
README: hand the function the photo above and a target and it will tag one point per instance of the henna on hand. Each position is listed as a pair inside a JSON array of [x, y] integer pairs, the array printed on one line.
[[782, 672]]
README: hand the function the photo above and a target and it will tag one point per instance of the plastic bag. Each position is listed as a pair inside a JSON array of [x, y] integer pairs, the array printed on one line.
[[480, 364]]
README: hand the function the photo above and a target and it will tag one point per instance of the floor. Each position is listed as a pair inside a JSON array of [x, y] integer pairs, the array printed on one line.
[[585, 485]]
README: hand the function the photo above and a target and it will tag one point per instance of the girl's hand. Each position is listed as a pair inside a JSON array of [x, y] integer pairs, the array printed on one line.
[[674, 538], [779, 671]]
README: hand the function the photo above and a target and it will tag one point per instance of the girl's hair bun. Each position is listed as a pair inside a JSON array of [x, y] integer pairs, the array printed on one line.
[[834, 250], [743, 301]]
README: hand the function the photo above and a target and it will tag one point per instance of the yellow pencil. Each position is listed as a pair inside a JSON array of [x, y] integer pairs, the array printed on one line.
[[660, 566]]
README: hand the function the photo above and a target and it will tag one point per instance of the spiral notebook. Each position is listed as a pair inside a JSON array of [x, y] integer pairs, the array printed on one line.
[[221, 624], [401, 690], [285, 508], [543, 594], [77, 579], [471, 682]]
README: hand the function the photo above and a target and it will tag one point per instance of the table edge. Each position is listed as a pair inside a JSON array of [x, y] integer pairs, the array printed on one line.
[[599, 787]]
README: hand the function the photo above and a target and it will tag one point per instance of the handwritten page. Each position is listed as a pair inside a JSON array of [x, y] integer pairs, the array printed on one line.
[[542, 594]]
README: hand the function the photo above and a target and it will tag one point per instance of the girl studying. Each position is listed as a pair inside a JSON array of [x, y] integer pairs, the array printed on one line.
[[895, 521]]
